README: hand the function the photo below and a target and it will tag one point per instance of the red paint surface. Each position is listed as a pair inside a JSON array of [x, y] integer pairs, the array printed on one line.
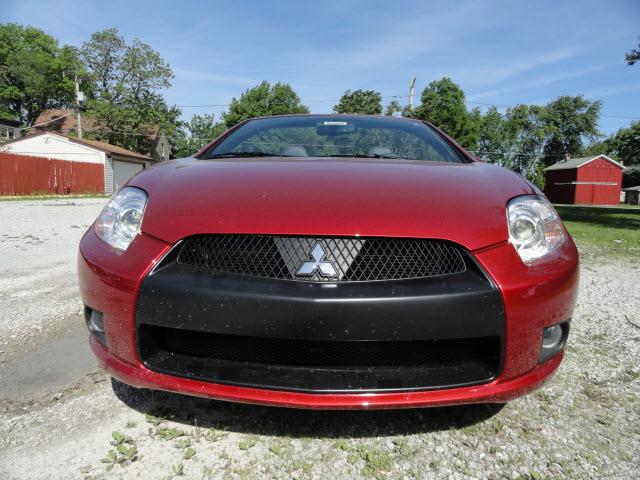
[[24, 175], [589, 188], [464, 203]]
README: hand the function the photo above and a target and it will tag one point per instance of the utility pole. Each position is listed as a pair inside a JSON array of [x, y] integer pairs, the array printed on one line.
[[79, 106], [411, 85]]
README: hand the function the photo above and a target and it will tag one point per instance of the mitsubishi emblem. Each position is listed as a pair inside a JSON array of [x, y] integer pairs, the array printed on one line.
[[325, 268]]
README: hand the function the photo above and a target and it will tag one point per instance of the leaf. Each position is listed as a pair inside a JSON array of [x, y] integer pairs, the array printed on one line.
[[178, 469], [132, 454], [183, 443], [110, 457], [189, 453], [117, 437]]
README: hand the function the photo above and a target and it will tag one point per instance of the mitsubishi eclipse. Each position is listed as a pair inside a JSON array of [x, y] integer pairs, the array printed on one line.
[[330, 261]]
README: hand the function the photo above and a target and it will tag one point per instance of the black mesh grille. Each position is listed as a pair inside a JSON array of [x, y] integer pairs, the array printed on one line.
[[322, 259]]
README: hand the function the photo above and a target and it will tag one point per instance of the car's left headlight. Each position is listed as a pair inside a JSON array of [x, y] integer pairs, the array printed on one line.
[[120, 220], [535, 230]]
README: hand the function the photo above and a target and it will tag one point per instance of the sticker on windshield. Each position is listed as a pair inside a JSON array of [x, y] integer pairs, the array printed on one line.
[[335, 123]]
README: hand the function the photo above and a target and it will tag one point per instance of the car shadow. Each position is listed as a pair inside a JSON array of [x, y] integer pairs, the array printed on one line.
[[276, 421]]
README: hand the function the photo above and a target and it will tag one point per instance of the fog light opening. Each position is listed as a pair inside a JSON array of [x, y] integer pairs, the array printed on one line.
[[95, 324], [553, 340]]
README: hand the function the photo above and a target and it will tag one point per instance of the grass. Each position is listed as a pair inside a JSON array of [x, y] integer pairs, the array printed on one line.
[[15, 198], [604, 230]]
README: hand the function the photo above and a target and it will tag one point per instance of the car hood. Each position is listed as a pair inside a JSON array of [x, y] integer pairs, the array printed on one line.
[[464, 203]]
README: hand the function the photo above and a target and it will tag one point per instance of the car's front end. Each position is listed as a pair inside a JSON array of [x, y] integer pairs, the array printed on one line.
[[333, 283]]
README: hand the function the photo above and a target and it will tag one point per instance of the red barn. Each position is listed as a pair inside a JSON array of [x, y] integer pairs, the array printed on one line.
[[590, 180]]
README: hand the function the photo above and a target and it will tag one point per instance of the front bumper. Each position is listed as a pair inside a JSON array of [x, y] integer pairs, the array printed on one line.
[[521, 301], [498, 391]]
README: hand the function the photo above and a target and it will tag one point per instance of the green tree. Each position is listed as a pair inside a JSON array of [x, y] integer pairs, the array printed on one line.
[[525, 135], [195, 134], [599, 147], [569, 122], [442, 103], [625, 144], [514, 140], [491, 140], [262, 101], [633, 56], [392, 108], [35, 73], [127, 106], [367, 102]]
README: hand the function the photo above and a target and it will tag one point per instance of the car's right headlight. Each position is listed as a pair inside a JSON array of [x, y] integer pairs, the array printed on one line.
[[120, 220], [535, 230]]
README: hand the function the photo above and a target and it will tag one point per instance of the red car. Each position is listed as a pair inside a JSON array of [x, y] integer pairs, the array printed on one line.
[[330, 261]]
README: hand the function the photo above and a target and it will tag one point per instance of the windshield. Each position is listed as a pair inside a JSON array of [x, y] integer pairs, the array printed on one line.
[[336, 136]]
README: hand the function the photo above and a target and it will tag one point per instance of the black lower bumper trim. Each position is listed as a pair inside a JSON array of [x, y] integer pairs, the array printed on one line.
[[320, 366], [430, 333]]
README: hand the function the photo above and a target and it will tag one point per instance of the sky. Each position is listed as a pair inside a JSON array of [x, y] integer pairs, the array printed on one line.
[[499, 52]]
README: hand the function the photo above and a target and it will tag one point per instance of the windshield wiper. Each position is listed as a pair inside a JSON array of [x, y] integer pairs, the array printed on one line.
[[362, 155], [243, 154]]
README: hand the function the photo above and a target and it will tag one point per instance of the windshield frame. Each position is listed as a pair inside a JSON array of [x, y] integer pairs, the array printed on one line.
[[460, 153]]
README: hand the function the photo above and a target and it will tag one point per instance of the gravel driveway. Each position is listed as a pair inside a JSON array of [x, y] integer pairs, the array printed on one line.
[[585, 423]]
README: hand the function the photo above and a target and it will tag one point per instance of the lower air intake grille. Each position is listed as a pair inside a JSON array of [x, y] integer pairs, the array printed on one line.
[[322, 259], [319, 366]]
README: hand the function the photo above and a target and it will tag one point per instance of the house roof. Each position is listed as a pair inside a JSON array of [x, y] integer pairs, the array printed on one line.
[[632, 189], [103, 146], [60, 121], [578, 162], [107, 147]]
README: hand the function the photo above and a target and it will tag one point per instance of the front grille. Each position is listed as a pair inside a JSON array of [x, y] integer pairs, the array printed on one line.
[[337, 259], [318, 365]]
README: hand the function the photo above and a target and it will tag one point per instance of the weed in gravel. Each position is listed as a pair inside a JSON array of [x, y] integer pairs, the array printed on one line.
[[245, 472], [183, 443], [604, 419], [189, 453], [403, 449], [168, 433], [327, 456], [341, 445], [120, 439], [248, 443], [123, 453], [543, 396], [376, 462], [302, 467], [213, 434], [207, 472], [130, 424], [591, 457], [595, 393], [280, 447], [178, 469], [154, 420], [463, 467], [629, 374]]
